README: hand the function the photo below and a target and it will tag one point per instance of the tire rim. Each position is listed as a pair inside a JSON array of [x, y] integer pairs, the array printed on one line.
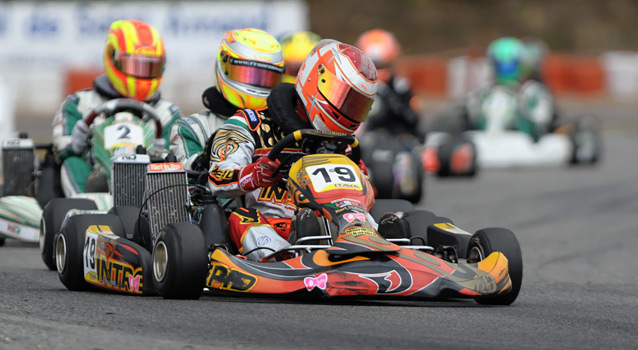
[[475, 254], [60, 253], [160, 261], [43, 229]]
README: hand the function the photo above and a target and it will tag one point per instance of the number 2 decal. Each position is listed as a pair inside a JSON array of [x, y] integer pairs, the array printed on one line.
[[125, 133]]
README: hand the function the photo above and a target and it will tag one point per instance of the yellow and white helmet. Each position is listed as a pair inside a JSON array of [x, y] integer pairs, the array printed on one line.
[[249, 64], [296, 46]]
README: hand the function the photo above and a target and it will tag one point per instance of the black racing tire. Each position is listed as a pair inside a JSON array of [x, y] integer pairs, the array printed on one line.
[[445, 156], [180, 261], [128, 215], [382, 178], [418, 222], [446, 151], [382, 206], [379, 159], [214, 224], [1, 241], [581, 137], [53, 215], [418, 168], [69, 247], [496, 239]]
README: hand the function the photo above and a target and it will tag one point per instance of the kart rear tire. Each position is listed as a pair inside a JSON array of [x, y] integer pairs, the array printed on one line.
[[53, 215], [129, 216], [418, 222], [446, 151], [583, 137], [69, 247], [180, 262], [1, 241], [496, 239], [417, 166]]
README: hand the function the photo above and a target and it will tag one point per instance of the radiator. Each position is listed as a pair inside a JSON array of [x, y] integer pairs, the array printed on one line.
[[18, 166], [167, 193], [127, 180]]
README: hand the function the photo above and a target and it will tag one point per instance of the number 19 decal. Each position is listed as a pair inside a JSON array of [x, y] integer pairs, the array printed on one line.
[[334, 176], [90, 246]]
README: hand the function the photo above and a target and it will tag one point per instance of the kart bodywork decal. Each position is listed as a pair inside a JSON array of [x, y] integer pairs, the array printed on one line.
[[107, 262], [223, 277], [403, 273], [446, 226]]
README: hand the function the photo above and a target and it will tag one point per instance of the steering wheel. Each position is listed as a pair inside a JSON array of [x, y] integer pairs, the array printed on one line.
[[314, 140], [139, 109]]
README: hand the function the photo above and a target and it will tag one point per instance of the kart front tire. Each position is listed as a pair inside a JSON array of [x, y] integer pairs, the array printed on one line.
[[180, 262], [52, 217], [495, 239], [69, 247]]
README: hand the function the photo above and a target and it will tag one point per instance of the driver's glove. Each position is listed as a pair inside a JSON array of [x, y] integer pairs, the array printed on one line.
[[363, 167], [80, 137], [261, 173]]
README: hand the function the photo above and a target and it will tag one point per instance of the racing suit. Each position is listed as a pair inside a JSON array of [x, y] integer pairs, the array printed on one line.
[[536, 113], [391, 109], [189, 135], [245, 137], [76, 167]]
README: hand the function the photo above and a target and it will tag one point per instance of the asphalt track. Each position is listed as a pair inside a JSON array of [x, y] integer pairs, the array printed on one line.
[[578, 229]]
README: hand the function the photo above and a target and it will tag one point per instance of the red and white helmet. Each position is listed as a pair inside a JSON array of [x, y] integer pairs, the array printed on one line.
[[337, 84], [380, 45]]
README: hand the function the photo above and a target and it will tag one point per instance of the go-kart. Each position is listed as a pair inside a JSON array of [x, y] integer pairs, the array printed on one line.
[[499, 144], [33, 201], [394, 164], [335, 252]]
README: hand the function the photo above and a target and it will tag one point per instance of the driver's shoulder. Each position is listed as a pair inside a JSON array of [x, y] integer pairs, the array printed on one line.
[[87, 100], [163, 106]]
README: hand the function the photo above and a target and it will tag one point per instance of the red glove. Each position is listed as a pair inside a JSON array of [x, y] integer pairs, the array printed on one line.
[[363, 167], [261, 173]]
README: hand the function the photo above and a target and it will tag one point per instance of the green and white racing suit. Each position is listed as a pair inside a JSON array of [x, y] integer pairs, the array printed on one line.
[[189, 135], [76, 168], [534, 108]]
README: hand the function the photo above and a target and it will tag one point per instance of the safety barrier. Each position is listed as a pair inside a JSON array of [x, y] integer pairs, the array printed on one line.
[[612, 73]]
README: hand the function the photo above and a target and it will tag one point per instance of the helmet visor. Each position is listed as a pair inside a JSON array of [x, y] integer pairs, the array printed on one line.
[[350, 103], [507, 69], [253, 73], [145, 67]]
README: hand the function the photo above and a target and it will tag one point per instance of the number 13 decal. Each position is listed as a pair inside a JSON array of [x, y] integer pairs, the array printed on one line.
[[330, 176]]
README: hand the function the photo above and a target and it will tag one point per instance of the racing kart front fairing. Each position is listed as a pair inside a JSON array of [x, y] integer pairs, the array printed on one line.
[[114, 263], [363, 265]]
